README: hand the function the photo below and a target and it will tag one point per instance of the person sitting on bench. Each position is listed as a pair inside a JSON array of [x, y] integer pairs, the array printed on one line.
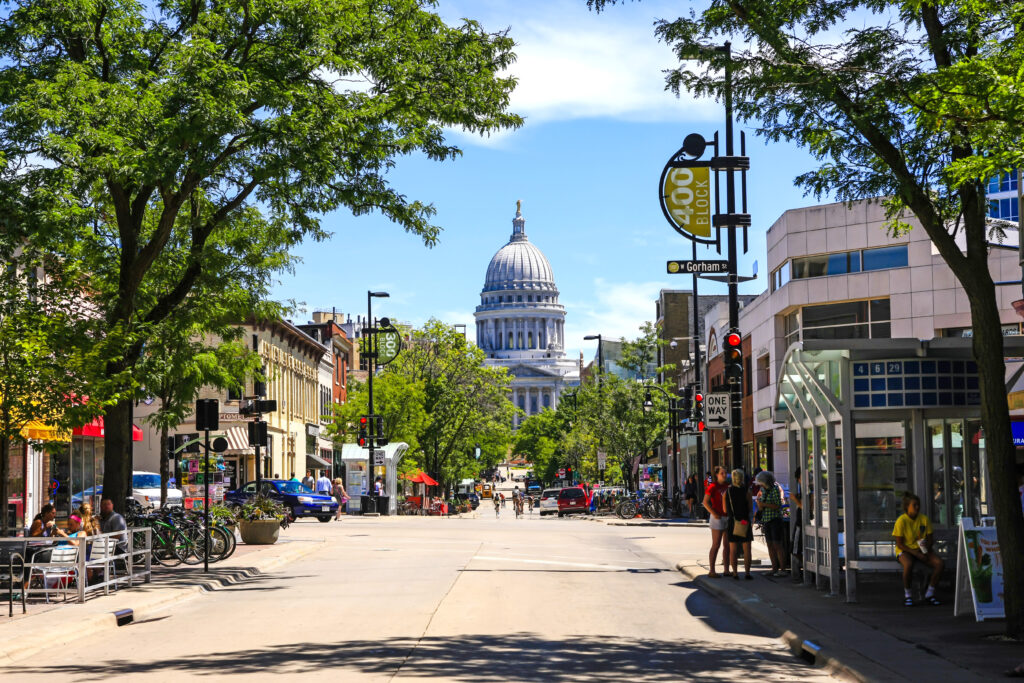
[[914, 538]]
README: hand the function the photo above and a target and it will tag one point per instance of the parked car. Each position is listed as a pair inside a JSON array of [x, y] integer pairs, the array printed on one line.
[[572, 499], [300, 500], [145, 490], [549, 501]]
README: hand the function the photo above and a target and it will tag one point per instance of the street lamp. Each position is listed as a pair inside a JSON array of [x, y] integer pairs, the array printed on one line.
[[600, 351], [371, 329], [648, 403]]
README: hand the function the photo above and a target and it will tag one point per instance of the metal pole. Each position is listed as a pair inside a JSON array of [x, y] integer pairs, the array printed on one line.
[[371, 365], [673, 417], [206, 503], [736, 436], [1020, 215], [696, 367]]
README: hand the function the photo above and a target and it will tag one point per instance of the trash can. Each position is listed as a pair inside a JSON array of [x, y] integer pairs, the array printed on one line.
[[367, 505], [384, 505]]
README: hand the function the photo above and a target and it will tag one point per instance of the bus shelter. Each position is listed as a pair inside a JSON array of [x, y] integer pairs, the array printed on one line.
[[358, 484], [866, 421]]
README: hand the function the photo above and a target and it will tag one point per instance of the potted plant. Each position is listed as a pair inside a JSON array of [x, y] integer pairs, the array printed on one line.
[[222, 514], [260, 521]]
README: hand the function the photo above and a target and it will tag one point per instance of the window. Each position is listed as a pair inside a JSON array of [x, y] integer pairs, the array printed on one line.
[[1004, 182], [763, 371], [1007, 209], [519, 298], [780, 276], [234, 393], [885, 257], [846, 320]]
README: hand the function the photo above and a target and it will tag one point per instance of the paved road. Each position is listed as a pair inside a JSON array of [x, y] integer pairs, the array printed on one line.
[[449, 599]]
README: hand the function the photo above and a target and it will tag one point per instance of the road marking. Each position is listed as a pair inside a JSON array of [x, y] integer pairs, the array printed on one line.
[[564, 564]]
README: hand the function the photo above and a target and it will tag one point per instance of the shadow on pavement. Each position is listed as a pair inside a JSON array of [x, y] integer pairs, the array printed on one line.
[[520, 656], [717, 615]]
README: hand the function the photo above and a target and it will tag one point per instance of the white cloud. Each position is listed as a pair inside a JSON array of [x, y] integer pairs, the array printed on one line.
[[573, 63], [614, 310]]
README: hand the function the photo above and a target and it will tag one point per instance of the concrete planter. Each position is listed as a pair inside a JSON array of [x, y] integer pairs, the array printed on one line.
[[261, 532]]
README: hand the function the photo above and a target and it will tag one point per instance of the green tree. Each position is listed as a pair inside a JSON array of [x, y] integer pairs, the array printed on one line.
[[440, 398], [540, 439], [143, 135], [41, 369], [916, 101]]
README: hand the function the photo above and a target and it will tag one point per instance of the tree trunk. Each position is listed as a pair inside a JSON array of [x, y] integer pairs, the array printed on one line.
[[5, 473], [165, 467], [999, 448], [117, 456]]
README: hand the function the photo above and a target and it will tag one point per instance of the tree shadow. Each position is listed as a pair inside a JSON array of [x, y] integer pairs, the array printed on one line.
[[472, 657]]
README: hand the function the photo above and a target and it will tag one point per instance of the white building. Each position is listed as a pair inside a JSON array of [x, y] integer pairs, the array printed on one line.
[[521, 325]]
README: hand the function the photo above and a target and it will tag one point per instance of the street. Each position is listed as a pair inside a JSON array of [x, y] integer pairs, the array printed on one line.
[[449, 599]]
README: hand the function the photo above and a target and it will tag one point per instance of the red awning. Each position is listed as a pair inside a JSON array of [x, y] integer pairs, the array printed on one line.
[[422, 478], [95, 428]]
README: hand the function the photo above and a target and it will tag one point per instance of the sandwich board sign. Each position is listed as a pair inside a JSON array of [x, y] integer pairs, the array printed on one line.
[[979, 572]]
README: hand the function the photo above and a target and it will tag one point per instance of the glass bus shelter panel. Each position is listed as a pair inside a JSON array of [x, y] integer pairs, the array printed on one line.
[[883, 473], [839, 474], [977, 473], [808, 443], [821, 485]]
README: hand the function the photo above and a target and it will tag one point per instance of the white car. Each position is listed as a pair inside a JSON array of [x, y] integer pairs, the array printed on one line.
[[549, 501], [146, 490]]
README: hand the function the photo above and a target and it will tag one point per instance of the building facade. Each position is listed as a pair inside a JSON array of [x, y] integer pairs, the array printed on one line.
[[858, 369], [521, 326]]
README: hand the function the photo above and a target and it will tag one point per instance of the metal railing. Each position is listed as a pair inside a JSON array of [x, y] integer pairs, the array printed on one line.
[[96, 563]]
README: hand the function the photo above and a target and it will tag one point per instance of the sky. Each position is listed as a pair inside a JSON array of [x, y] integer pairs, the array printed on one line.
[[599, 128]]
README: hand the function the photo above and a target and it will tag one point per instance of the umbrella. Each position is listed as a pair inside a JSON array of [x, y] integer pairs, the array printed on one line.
[[422, 478]]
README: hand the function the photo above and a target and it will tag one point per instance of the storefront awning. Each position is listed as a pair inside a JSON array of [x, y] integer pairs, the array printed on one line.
[[238, 441], [316, 461], [95, 428], [41, 431]]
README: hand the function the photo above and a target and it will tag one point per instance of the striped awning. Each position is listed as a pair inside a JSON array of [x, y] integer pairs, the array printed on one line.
[[238, 440]]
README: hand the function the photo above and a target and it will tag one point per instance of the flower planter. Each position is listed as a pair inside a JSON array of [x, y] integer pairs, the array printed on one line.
[[260, 532]]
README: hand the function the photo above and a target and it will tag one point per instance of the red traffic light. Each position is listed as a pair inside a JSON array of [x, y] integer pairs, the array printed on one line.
[[733, 339], [700, 426], [698, 397], [363, 421]]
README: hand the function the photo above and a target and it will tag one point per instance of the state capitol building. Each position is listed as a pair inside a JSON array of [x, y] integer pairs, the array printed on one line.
[[521, 326]]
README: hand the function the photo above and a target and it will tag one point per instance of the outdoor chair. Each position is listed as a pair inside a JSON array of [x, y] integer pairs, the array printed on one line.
[[59, 572], [12, 572], [101, 554]]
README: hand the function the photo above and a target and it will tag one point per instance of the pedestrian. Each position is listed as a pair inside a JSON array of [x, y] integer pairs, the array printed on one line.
[[324, 484], [770, 505], [739, 505], [378, 487], [308, 480], [342, 495], [690, 493], [714, 503], [112, 522], [502, 499], [497, 507]]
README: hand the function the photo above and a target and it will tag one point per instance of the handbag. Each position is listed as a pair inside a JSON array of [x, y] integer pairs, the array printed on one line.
[[739, 526]]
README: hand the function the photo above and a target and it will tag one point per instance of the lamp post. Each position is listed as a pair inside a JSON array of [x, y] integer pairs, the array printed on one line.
[[673, 426], [600, 352], [371, 329]]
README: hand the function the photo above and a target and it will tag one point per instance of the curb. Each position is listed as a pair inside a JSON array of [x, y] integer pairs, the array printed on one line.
[[827, 654], [54, 629]]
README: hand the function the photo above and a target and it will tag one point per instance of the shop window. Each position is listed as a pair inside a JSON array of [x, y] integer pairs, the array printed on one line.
[[780, 276]]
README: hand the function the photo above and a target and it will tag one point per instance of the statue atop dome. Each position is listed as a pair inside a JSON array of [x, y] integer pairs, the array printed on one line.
[[518, 223], [519, 206]]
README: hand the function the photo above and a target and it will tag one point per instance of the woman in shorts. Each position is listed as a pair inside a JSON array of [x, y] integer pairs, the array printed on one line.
[[714, 503]]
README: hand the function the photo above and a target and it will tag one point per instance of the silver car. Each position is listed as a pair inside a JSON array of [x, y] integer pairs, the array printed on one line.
[[549, 501]]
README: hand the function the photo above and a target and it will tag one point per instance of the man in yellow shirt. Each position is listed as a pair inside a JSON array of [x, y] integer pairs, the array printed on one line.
[[913, 536]]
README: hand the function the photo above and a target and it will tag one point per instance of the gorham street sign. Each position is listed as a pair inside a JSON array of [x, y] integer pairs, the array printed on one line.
[[699, 267]]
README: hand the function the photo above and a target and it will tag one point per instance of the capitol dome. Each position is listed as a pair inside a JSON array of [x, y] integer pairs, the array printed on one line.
[[519, 264]]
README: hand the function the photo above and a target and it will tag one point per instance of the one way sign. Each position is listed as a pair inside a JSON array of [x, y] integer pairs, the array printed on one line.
[[718, 411]]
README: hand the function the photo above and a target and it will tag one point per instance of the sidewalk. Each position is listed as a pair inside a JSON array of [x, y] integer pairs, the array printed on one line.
[[610, 519], [46, 626], [875, 639]]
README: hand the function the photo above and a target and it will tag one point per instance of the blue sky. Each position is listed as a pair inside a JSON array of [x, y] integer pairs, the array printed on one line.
[[599, 128]]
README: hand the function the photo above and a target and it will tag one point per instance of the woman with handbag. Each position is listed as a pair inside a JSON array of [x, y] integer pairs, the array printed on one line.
[[341, 494], [740, 530]]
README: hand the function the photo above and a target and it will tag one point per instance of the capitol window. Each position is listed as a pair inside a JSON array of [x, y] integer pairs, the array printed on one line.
[[519, 298]]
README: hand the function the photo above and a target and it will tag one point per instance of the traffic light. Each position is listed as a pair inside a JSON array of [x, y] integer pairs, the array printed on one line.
[[697, 415], [685, 405], [258, 433], [733, 356], [364, 436], [568, 473], [378, 430]]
